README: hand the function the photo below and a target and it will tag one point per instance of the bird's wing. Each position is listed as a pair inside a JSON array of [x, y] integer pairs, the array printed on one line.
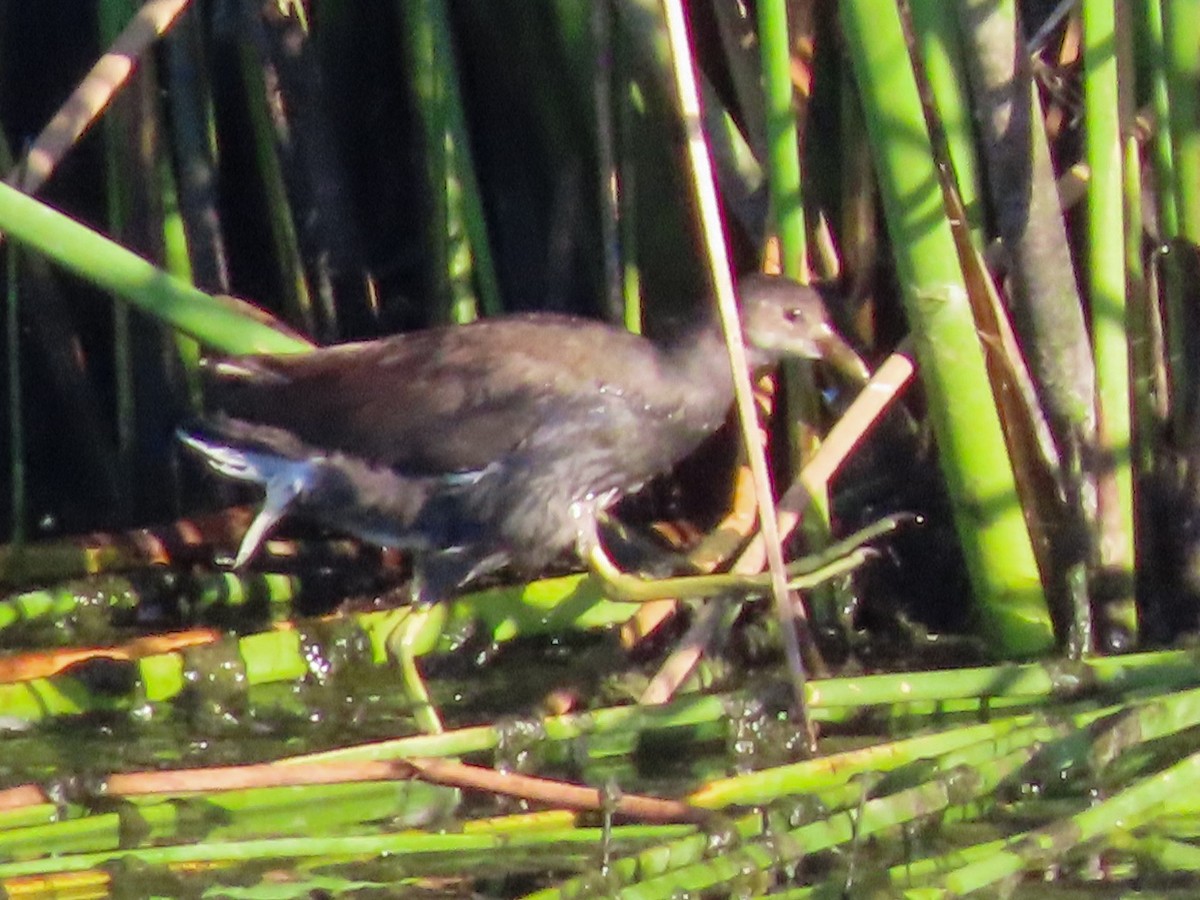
[[439, 401]]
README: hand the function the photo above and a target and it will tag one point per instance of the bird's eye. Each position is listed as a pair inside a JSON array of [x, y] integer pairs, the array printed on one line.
[[795, 314]]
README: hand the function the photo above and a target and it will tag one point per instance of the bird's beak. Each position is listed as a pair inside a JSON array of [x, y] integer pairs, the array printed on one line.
[[834, 350]]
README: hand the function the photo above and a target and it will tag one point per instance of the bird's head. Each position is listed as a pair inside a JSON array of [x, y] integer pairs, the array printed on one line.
[[781, 317]]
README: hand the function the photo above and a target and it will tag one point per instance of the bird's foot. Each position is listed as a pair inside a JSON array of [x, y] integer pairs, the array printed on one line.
[[840, 558]]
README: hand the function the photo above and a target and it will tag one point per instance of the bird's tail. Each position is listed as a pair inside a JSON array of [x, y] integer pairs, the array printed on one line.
[[251, 457]]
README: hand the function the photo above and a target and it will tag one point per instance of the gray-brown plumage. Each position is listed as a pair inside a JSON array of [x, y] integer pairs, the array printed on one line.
[[492, 443]]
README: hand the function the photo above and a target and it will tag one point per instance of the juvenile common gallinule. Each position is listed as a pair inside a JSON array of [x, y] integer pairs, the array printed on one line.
[[488, 444]]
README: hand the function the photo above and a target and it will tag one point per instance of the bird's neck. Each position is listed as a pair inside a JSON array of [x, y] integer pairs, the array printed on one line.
[[700, 363]]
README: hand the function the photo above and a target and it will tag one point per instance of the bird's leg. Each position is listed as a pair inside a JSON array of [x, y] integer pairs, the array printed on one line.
[[840, 558], [416, 634], [439, 574], [436, 577]]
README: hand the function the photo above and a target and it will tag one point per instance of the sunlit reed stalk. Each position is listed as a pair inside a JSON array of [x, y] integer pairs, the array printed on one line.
[[1106, 281], [939, 44], [973, 456], [791, 617], [785, 189], [783, 158], [106, 264]]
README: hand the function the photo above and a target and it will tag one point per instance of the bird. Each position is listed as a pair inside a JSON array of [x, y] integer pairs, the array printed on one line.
[[504, 442]]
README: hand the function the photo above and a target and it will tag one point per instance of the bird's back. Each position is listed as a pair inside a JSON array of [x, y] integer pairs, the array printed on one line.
[[441, 401]]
